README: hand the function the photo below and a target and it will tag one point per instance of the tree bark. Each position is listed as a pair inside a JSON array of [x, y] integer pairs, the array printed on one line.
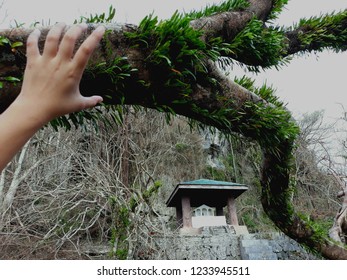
[[338, 231]]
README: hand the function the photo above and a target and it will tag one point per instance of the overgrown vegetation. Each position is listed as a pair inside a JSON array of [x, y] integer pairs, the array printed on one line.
[[324, 32], [11, 47], [230, 5], [71, 201], [264, 46]]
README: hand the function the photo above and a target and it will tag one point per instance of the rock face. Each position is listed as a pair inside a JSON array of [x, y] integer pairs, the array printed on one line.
[[222, 243], [214, 145]]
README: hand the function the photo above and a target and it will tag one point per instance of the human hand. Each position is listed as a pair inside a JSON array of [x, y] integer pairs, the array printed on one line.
[[51, 79]]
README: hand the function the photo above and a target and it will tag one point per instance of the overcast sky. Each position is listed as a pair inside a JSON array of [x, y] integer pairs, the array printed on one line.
[[309, 83]]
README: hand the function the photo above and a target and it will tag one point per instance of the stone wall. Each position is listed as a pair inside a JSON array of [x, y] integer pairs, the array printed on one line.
[[222, 243], [213, 243]]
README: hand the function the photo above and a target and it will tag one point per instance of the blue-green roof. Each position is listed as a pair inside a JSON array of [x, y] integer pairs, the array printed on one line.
[[203, 191], [210, 182]]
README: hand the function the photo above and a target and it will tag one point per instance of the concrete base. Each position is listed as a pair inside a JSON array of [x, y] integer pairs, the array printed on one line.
[[190, 231], [240, 230], [237, 230], [208, 221]]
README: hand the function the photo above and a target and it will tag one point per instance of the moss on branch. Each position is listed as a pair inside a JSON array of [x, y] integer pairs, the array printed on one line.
[[319, 33]]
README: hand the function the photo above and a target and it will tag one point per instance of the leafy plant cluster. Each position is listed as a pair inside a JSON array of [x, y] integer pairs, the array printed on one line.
[[268, 122], [123, 222], [275, 121], [11, 47], [258, 46], [102, 18], [329, 31], [230, 5], [277, 8], [6, 42], [177, 55], [119, 231]]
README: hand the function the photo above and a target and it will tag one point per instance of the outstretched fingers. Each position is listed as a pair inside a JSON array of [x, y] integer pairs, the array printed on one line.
[[68, 42], [86, 49], [32, 45], [52, 40]]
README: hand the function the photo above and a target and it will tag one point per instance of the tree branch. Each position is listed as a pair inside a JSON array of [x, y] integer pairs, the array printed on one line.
[[319, 33], [227, 24]]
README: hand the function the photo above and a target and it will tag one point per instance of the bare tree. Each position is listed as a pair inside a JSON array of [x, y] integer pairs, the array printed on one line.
[[338, 231], [70, 199]]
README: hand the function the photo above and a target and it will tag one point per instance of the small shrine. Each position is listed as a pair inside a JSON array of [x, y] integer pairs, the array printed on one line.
[[200, 203]]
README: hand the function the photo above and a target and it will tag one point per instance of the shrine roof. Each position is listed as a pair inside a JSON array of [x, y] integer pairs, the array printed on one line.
[[210, 192], [210, 183]]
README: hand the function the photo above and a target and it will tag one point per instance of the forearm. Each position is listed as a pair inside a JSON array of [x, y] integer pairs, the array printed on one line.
[[17, 125]]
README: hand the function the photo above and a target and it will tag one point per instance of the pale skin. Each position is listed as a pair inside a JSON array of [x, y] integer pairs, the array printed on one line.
[[50, 86]]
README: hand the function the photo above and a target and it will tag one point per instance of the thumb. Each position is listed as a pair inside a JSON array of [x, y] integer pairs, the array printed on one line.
[[90, 102]]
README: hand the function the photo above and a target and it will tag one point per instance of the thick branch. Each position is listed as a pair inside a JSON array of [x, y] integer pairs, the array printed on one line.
[[313, 34], [228, 24], [319, 33], [13, 61]]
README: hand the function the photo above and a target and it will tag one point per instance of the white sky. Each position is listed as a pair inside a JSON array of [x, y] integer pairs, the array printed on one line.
[[307, 84]]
